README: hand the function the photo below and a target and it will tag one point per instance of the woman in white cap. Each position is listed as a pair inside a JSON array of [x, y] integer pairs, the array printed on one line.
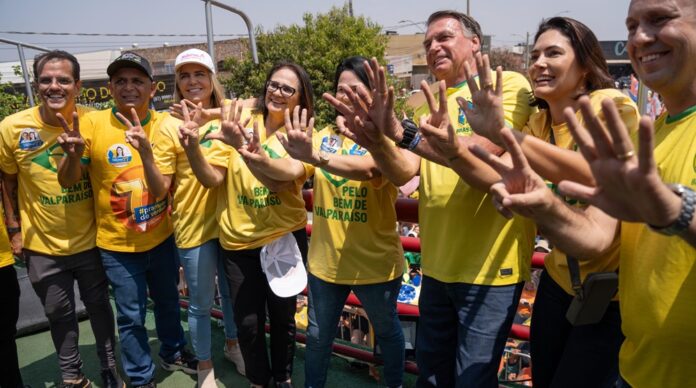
[[193, 211], [262, 220]]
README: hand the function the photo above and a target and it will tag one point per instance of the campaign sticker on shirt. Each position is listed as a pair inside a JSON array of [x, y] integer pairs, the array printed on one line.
[[29, 139], [119, 155], [357, 150], [331, 144]]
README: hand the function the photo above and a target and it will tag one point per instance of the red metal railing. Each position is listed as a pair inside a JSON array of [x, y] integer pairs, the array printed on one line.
[[407, 211]]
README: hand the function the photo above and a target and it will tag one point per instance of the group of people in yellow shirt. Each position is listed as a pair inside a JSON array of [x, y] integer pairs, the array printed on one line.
[[494, 154]]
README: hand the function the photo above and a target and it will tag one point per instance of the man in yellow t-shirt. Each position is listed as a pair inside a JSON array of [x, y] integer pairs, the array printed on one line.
[[57, 231], [134, 232], [474, 261], [652, 192], [9, 305], [658, 237]]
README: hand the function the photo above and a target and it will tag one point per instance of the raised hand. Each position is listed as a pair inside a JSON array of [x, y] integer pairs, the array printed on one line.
[[252, 151], [436, 127], [298, 142], [231, 131], [627, 187], [521, 189], [486, 116], [70, 140], [206, 115], [135, 135], [370, 116], [188, 130], [381, 110]]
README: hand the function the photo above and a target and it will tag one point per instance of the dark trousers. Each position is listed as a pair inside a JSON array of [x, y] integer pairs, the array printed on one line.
[[564, 355], [53, 278], [251, 296], [9, 312], [462, 331]]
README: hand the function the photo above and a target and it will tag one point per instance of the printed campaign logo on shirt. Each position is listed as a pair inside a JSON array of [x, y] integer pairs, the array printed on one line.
[[132, 203], [463, 126], [119, 155], [357, 150], [29, 139], [331, 144]]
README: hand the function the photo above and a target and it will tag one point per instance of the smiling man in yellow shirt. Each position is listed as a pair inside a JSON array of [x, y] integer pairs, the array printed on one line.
[[57, 231], [134, 231]]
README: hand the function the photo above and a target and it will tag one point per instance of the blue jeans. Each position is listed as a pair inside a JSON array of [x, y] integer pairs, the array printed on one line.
[[462, 332], [326, 301], [200, 266], [564, 355], [131, 276]]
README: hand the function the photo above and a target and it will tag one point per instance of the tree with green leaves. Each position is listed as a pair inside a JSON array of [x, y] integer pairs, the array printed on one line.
[[11, 101], [319, 45]]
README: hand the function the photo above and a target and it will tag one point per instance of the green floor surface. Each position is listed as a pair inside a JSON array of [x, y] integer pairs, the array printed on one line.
[[39, 363]]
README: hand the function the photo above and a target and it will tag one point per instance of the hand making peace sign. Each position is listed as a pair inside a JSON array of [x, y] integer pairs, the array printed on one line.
[[135, 135], [70, 140]]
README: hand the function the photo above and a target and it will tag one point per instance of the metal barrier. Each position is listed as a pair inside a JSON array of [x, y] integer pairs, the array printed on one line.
[[406, 210]]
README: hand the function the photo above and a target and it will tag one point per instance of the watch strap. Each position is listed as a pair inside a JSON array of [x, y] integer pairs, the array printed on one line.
[[409, 133], [686, 215]]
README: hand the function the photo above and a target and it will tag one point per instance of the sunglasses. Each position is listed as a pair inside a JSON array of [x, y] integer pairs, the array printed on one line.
[[285, 90]]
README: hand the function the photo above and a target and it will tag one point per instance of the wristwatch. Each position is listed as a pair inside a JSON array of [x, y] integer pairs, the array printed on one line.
[[323, 159], [686, 214], [409, 135], [14, 229]]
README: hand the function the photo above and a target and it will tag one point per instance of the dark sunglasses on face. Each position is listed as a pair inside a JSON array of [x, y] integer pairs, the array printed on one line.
[[285, 90]]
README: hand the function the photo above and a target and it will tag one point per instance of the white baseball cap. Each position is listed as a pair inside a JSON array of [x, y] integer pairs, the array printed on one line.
[[281, 261], [194, 56]]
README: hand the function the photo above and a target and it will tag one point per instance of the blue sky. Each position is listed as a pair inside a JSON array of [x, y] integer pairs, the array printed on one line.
[[507, 20]]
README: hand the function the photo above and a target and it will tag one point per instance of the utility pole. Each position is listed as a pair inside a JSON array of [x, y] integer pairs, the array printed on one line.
[[526, 52], [350, 7], [468, 10]]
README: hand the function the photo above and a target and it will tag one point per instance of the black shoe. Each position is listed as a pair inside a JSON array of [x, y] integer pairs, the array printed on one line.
[[111, 378], [185, 362], [151, 384], [83, 383]]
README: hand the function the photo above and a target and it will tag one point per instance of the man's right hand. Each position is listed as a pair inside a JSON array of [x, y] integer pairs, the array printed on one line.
[[70, 140]]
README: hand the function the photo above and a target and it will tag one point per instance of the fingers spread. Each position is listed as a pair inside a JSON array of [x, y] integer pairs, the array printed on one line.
[[580, 135], [646, 161], [578, 191]]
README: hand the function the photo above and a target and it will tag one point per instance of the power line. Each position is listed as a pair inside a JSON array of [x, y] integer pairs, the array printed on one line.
[[110, 34]]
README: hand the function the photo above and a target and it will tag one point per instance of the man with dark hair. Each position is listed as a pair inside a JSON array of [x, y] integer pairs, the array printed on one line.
[[651, 189], [57, 233], [134, 232], [56, 55]]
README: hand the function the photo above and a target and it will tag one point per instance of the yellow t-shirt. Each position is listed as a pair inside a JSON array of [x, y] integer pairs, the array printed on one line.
[[354, 239], [193, 205], [6, 256], [540, 126], [657, 280], [463, 238], [55, 221], [250, 215], [129, 219]]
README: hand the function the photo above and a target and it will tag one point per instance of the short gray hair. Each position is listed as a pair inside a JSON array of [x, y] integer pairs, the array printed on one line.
[[469, 25]]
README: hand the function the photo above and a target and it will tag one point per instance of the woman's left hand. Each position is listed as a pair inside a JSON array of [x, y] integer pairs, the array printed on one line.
[[298, 142]]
